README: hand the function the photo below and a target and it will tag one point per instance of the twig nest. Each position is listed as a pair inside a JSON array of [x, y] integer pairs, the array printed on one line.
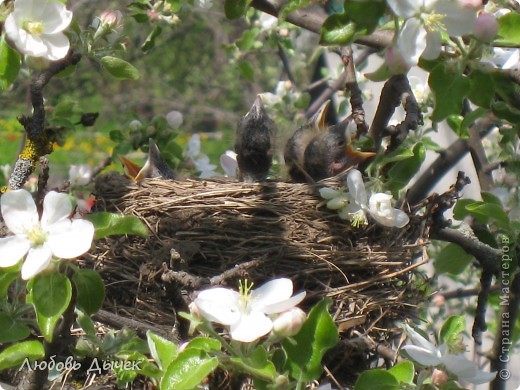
[[209, 232]]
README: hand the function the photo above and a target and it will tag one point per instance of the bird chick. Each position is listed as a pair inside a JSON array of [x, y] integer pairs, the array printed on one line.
[[297, 144], [155, 166], [254, 143], [330, 152]]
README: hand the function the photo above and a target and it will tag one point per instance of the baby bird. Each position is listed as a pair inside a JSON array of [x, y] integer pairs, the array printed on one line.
[[316, 151], [155, 166], [255, 143]]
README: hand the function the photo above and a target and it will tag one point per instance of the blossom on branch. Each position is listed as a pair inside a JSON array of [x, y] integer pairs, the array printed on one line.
[[246, 312], [36, 28], [54, 235]]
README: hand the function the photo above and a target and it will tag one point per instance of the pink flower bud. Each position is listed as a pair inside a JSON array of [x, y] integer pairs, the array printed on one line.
[[290, 322], [174, 119], [395, 61], [439, 377], [111, 19], [486, 27]]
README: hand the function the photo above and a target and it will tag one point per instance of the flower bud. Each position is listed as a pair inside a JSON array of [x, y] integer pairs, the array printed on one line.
[[395, 61], [174, 119], [135, 124], [439, 377], [111, 19], [486, 27], [290, 322], [337, 203]]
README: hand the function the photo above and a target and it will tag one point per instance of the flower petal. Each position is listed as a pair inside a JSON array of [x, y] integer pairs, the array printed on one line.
[[37, 260], [251, 327], [193, 149], [356, 187], [460, 16], [19, 211], [228, 162], [433, 45], [405, 8], [285, 305], [422, 355], [419, 340], [219, 305], [55, 17], [12, 249], [411, 41], [58, 46], [56, 207], [68, 239], [274, 291]]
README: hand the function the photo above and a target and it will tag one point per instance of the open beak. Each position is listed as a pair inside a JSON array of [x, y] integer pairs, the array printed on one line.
[[355, 156], [318, 119], [131, 168]]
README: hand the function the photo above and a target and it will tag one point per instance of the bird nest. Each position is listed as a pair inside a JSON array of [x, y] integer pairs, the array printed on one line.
[[215, 232]]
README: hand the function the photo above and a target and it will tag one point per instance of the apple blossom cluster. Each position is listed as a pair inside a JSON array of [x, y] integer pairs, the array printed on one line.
[[355, 205], [420, 35], [228, 160], [55, 235], [251, 314], [424, 352], [36, 28]]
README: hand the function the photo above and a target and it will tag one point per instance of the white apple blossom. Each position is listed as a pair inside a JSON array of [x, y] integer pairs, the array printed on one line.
[[355, 204], [55, 235], [36, 28], [80, 175], [420, 34], [175, 119], [246, 312], [200, 160], [424, 352]]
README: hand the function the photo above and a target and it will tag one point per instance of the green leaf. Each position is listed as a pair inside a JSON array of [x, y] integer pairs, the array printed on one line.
[[459, 211], [120, 69], [451, 329], [86, 323], [109, 224], [6, 278], [246, 70], [449, 88], [403, 372], [488, 197], [508, 30], [470, 118], [205, 343], [403, 171], [10, 62], [90, 290], [337, 29], [257, 364], [452, 259], [487, 211], [290, 6], [482, 88], [149, 43], [248, 39], [188, 370], [305, 350], [162, 350], [50, 294], [380, 74], [365, 13], [235, 9], [506, 111], [12, 329], [15, 355], [376, 379]]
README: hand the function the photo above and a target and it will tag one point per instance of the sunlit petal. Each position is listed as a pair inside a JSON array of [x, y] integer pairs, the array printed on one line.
[[12, 249], [356, 187], [219, 305], [274, 291], [56, 208], [68, 239], [422, 355], [282, 306], [411, 42], [405, 8], [251, 327], [19, 211], [37, 260]]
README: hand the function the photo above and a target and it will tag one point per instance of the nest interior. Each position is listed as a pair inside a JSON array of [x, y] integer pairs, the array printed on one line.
[[215, 232]]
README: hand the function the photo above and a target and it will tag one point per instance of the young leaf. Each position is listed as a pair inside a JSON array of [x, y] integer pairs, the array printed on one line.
[[10, 62], [6, 278], [403, 171], [449, 87], [452, 259], [205, 344], [108, 224], [50, 294], [305, 350], [257, 364], [90, 290], [337, 29], [120, 69], [235, 9], [15, 355], [451, 329], [508, 30], [365, 13], [403, 372], [12, 329], [482, 88], [188, 370], [376, 379], [162, 350]]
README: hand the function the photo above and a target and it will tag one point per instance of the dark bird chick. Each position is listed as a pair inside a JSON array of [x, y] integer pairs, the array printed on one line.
[[330, 152], [155, 166], [297, 144], [255, 143]]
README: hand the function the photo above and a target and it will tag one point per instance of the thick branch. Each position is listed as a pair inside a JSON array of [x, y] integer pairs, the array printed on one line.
[[312, 19]]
